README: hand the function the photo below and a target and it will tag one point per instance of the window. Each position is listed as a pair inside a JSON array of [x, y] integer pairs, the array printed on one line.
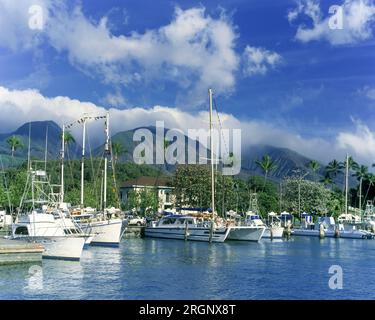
[[22, 231]]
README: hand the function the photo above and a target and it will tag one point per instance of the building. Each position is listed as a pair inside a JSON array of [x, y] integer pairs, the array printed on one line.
[[160, 184]]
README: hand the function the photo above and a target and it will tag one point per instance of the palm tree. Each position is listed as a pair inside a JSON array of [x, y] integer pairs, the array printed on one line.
[[14, 144], [371, 180], [118, 150], [361, 173], [314, 166], [333, 168], [68, 138], [327, 180], [267, 165], [353, 165]]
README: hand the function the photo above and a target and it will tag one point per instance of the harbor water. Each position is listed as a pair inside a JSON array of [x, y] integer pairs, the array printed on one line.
[[297, 268]]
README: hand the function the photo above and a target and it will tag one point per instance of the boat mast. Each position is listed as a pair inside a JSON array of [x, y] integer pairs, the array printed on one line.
[[83, 160], [46, 150], [346, 183], [212, 156], [106, 152], [62, 164]]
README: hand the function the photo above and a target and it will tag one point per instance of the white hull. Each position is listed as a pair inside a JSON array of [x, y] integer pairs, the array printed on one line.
[[247, 233], [312, 233], [106, 233], [193, 233], [277, 232], [60, 247], [355, 234]]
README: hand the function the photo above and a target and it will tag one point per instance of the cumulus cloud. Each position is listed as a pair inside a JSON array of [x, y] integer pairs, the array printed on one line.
[[15, 16], [368, 92], [358, 17], [259, 60], [361, 141], [31, 105], [194, 50]]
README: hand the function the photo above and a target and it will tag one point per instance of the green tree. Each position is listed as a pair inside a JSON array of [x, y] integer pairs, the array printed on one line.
[[334, 168], [118, 150], [361, 173], [14, 144], [314, 166], [267, 165], [314, 197]]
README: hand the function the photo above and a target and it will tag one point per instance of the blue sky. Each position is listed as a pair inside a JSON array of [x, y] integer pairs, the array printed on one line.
[[276, 68]]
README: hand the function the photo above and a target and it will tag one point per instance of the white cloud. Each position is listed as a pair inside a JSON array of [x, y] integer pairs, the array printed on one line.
[[358, 17], [194, 50], [367, 92], [15, 32], [31, 105], [361, 142], [115, 99], [259, 60]]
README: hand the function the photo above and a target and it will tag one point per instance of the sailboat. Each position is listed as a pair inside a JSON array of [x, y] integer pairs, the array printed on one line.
[[198, 227], [105, 229], [43, 222]]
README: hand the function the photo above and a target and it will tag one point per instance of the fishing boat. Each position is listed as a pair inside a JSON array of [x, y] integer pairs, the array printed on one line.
[[105, 227], [45, 224], [323, 227], [273, 229], [186, 227]]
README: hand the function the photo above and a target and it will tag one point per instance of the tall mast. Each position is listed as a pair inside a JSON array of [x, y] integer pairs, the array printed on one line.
[[29, 149], [212, 156], [46, 150], [83, 160], [106, 152], [62, 163], [346, 183]]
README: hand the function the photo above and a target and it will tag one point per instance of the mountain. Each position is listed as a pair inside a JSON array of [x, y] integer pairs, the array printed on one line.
[[38, 130], [286, 160]]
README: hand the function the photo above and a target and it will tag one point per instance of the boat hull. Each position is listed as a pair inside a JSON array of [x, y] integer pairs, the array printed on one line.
[[313, 233], [104, 233], [193, 234], [242, 233], [59, 247], [273, 232]]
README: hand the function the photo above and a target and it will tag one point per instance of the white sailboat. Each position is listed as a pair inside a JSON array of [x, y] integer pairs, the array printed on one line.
[[190, 227], [105, 229]]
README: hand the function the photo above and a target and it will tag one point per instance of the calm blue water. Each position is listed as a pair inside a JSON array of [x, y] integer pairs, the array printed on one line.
[[173, 269]]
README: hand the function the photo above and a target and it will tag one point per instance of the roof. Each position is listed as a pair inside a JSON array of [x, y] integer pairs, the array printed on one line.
[[147, 182]]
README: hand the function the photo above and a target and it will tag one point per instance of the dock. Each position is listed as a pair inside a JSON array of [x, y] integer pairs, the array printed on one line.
[[12, 251]]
